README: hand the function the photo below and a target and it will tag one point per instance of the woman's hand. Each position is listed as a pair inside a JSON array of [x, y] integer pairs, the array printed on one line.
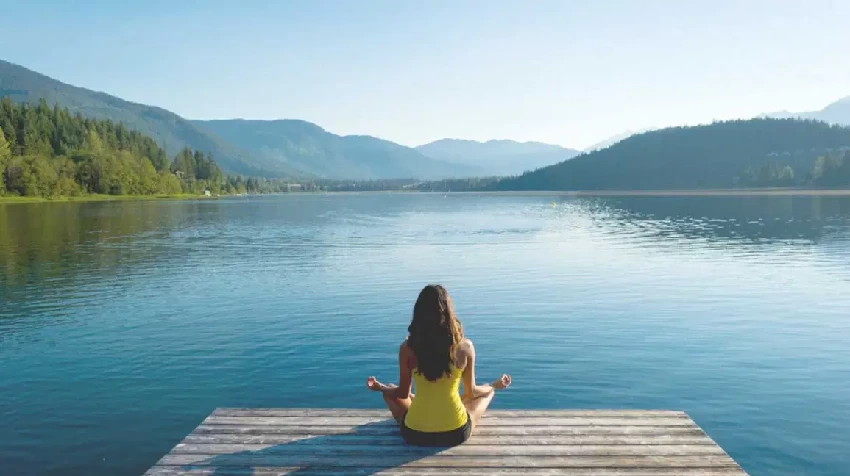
[[373, 385], [503, 383], [483, 390]]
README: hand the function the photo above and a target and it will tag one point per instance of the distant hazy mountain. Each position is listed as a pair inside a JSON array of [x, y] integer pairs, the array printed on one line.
[[497, 157], [835, 113], [259, 148], [308, 147], [167, 128], [605, 143], [718, 155]]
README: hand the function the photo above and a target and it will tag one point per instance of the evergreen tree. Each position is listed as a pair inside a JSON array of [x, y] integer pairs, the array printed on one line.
[[5, 151], [47, 151]]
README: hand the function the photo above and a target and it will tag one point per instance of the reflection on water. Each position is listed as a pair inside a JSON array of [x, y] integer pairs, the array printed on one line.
[[123, 324], [733, 219]]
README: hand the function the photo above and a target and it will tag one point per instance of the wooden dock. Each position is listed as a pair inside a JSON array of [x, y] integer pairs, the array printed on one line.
[[304, 442]]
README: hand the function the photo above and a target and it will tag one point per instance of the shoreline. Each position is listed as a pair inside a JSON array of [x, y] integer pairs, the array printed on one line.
[[680, 193], [101, 198], [768, 192], [609, 193]]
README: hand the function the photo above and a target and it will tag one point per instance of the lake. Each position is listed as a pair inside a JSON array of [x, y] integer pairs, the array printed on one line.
[[124, 324]]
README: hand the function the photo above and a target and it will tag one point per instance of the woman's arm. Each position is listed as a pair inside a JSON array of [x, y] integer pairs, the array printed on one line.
[[470, 389], [405, 382], [405, 375]]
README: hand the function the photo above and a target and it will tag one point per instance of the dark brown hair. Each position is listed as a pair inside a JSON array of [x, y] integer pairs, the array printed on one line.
[[434, 331]]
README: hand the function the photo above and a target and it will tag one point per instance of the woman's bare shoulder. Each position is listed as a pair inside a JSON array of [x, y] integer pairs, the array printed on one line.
[[466, 346]]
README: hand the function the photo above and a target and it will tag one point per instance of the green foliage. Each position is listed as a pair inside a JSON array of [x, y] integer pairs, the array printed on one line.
[[768, 175], [457, 185], [831, 171], [48, 152], [757, 152], [26, 86], [5, 153]]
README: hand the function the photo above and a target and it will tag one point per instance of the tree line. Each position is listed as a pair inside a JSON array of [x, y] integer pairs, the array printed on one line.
[[48, 152], [413, 185], [727, 154], [254, 185], [831, 170]]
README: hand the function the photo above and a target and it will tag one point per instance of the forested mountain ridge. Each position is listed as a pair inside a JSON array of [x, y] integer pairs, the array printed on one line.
[[166, 128], [285, 148], [497, 157], [312, 149], [755, 152], [50, 152]]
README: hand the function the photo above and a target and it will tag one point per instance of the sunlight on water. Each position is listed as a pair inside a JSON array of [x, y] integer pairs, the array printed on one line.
[[123, 325]]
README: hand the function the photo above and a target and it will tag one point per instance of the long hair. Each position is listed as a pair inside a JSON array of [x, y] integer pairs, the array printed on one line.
[[434, 332]]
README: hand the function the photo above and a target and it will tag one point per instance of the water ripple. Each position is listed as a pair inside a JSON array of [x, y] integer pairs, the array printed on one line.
[[149, 315]]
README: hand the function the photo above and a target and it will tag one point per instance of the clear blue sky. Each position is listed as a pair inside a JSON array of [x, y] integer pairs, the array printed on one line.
[[563, 72]]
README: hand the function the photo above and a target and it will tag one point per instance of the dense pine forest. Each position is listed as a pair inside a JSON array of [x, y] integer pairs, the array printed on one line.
[[48, 152]]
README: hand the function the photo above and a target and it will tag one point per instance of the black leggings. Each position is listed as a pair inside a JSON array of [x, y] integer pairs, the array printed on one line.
[[442, 438]]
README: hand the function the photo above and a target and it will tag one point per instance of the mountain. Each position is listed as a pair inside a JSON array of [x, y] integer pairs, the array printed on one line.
[[167, 128], [259, 148], [837, 112], [307, 147], [497, 157], [605, 143], [726, 154]]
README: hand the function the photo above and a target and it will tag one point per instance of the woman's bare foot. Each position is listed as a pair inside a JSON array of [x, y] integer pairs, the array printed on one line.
[[503, 383]]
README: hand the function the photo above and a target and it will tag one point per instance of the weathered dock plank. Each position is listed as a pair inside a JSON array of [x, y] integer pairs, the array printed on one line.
[[330, 412], [471, 450], [488, 421], [297, 470], [390, 429], [391, 439], [264, 442]]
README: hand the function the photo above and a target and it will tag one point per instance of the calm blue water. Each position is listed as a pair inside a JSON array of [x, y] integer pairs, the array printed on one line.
[[123, 325]]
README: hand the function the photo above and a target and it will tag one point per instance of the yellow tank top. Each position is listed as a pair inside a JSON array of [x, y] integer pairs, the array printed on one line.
[[437, 405]]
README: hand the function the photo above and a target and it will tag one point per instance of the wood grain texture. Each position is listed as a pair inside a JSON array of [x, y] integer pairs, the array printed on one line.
[[391, 429], [445, 461], [392, 439], [334, 449], [486, 421], [300, 471], [333, 442]]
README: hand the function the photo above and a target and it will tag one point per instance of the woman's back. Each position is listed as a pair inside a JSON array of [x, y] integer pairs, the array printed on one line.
[[437, 406], [434, 358]]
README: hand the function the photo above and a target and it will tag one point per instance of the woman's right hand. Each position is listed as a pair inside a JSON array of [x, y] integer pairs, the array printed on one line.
[[373, 384], [503, 383]]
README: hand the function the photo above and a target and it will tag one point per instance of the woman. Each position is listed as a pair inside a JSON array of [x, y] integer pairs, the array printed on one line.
[[434, 358]]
